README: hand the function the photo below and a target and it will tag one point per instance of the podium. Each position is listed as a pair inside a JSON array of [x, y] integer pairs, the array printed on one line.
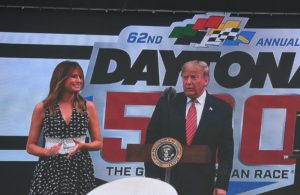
[[190, 154]]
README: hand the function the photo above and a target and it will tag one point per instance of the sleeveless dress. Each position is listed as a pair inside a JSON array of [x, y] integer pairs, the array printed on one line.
[[60, 174]]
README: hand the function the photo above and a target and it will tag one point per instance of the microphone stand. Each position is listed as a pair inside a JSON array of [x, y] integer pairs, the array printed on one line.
[[170, 93]]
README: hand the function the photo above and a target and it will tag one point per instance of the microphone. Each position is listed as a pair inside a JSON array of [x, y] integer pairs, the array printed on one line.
[[170, 93]]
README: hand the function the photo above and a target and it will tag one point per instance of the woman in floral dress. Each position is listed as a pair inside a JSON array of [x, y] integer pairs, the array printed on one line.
[[65, 117]]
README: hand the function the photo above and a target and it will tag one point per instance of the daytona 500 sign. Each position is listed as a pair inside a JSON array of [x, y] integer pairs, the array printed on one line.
[[255, 70]]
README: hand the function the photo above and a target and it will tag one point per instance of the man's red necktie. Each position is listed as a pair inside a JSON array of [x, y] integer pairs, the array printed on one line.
[[191, 123]]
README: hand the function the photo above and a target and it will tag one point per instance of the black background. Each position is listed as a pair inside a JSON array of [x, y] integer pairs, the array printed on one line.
[[263, 6]]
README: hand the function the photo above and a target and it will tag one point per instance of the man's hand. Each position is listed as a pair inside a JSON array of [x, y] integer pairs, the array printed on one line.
[[219, 191]]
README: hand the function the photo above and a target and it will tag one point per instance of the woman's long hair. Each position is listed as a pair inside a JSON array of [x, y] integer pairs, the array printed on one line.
[[59, 76]]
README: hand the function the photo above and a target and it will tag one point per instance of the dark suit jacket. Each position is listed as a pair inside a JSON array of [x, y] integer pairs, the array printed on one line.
[[214, 130]]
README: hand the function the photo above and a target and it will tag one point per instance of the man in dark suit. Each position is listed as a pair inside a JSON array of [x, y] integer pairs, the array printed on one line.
[[214, 128]]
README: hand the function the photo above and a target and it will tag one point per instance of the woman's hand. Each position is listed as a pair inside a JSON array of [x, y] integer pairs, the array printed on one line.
[[76, 148], [54, 149]]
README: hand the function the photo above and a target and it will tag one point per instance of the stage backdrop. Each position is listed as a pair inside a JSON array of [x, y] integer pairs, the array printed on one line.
[[252, 59]]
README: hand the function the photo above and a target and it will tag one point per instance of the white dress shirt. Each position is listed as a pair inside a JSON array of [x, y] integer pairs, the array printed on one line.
[[199, 103]]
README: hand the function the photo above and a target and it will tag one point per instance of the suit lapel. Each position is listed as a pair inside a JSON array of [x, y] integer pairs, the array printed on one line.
[[204, 120], [179, 117]]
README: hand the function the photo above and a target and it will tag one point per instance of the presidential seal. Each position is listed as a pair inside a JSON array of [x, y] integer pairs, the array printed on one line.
[[166, 152]]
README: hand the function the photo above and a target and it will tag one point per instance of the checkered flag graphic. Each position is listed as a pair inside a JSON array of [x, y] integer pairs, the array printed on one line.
[[218, 36]]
